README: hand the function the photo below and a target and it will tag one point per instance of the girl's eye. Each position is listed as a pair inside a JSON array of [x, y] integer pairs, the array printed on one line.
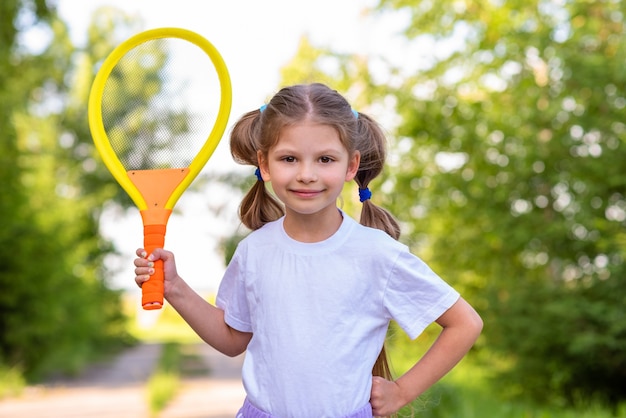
[[326, 159], [289, 159]]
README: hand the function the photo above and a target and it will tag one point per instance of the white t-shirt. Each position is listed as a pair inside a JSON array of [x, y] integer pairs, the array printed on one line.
[[319, 314]]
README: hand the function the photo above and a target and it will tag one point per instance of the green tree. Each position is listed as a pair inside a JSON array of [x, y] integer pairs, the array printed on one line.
[[57, 310], [512, 149]]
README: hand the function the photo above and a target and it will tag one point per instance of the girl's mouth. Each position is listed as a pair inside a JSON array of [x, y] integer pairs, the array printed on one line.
[[306, 193]]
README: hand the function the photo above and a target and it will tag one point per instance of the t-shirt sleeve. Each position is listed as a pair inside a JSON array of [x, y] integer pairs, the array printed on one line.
[[231, 296], [415, 296]]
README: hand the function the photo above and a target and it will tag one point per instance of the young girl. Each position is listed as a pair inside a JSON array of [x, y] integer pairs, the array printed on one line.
[[309, 294]]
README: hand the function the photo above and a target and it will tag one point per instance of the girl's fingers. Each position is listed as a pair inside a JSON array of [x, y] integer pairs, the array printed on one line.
[[145, 270], [143, 263], [140, 280]]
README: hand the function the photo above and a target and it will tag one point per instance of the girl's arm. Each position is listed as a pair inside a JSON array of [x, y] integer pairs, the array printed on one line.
[[461, 327], [205, 319]]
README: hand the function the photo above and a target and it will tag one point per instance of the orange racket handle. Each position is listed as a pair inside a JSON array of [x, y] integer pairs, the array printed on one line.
[[152, 290]]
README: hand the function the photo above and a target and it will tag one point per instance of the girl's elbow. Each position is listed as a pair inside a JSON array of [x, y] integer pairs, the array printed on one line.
[[229, 350], [233, 353], [239, 343], [475, 324]]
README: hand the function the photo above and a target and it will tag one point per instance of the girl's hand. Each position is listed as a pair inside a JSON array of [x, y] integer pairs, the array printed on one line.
[[386, 397], [144, 267]]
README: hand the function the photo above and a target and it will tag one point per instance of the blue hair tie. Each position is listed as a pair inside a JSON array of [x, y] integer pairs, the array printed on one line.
[[355, 113], [364, 194], [262, 108], [257, 172]]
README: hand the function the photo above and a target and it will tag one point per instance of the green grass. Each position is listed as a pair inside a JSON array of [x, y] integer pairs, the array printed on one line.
[[176, 362], [178, 358], [12, 383], [162, 388], [464, 394], [164, 383], [464, 401], [466, 391]]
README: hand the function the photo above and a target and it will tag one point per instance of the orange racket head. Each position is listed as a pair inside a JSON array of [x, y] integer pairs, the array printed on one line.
[[158, 108]]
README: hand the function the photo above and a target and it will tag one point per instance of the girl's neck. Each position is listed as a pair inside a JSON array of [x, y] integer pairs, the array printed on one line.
[[312, 228]]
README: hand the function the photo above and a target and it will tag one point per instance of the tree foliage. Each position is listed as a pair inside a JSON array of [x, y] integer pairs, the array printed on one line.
[[57, 310], [512, 153]]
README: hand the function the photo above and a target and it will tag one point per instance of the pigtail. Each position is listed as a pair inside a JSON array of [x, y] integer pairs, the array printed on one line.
[[377, 217], [372, 145], [258, 206]]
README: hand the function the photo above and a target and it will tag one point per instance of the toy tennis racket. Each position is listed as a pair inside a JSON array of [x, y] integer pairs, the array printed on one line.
[[158, 107]]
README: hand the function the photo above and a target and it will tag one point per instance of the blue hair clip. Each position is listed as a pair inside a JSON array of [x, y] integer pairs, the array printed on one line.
[[355, 113], [364, 194], [262, 108], [257, 172]]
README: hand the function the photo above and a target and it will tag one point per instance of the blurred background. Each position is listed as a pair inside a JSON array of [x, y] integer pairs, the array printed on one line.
[[507, 136]]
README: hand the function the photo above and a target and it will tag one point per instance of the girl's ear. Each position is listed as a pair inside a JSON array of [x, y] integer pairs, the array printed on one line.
[[263, 166], [353, 166]]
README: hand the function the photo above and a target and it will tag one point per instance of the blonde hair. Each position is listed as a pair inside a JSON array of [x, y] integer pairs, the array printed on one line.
[[259, 130]]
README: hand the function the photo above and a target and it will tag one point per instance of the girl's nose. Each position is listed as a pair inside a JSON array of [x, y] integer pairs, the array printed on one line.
[[306, 174]]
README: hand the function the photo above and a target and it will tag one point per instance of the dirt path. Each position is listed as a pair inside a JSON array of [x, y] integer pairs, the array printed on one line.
[[118, 390]]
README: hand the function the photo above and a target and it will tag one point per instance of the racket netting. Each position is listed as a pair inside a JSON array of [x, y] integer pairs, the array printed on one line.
[[160, 103]]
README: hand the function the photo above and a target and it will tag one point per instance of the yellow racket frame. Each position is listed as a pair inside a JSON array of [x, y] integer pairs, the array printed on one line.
[[163, 186], [101, 139]]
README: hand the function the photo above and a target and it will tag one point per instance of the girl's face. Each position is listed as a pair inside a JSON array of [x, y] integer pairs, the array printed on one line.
[[308, 167]]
